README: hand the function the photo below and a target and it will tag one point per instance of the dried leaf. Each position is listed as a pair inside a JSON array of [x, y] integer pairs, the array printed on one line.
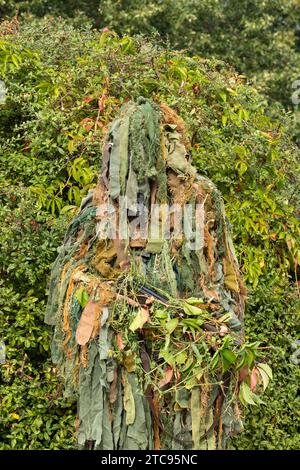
[[144, 358], [254, 378], [87, 123], [129, 363], [168, 374], [120, 343], [150, 300], [209, 241], [76, 424], [113, 387], [243, 373], [130, 301], [230, 280], [223, 330], [86, 323], [210, 293]]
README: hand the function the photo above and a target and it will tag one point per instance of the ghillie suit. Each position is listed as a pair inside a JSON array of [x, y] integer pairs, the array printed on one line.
[[149, 322]]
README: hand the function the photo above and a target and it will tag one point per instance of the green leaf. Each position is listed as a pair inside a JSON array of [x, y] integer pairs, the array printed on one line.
[[245, 395], [190, 383], [266, 368], [140, 319], [71, 146], [242, 167], [129, 403], [215, 360], [160, 313], [188, 364], [191, 309], [265, 378], [228, 358], [242, 361], [181, 358], [168, 357], [229, 355], [249, 357], [82, 297], [68, 208], [194, 301], [193, 323], [225, 318], [199, 356], [167, 342], [224, 120], [171, 325], [265, 373]]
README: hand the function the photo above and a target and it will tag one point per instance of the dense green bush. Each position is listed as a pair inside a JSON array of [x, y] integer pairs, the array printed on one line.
[[260, 38], [76, 9], [63, 89]]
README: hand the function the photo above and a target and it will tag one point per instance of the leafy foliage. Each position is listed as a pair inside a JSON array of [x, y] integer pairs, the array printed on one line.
[[62, 91], [261, 39], [178, 338], [76, 9]]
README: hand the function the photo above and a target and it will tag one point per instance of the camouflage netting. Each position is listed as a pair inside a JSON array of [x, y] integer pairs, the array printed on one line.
[[147, 326]]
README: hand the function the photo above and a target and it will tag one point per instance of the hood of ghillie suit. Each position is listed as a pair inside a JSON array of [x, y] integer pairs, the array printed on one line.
[[137, 316], [135, 155], [146, 162]]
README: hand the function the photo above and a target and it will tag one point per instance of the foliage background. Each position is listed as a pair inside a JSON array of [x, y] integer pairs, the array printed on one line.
[[65, 83], [259, 38]]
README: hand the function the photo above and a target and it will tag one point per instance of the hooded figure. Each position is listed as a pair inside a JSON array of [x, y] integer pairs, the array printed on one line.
[[146, 296]]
